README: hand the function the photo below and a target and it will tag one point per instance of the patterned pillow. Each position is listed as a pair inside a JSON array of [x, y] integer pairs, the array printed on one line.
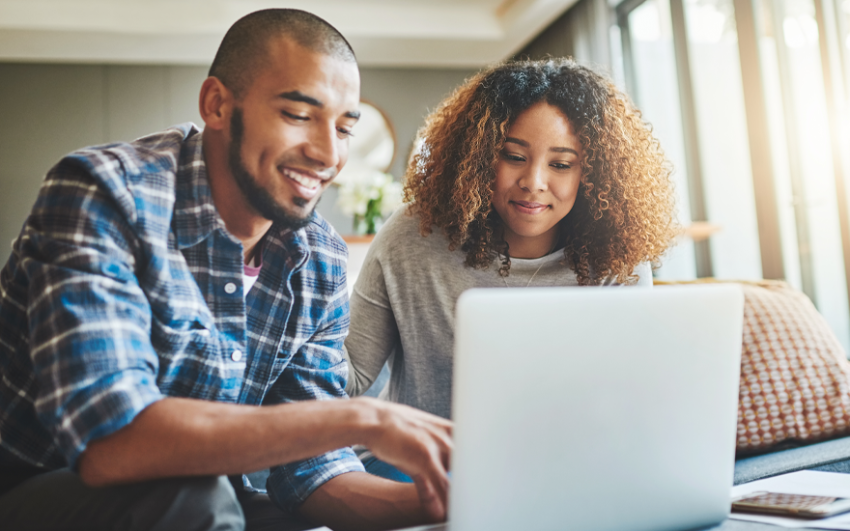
[[795, 377]]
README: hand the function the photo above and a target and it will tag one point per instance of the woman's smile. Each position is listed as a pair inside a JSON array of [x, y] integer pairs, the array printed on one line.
[[529, 207]]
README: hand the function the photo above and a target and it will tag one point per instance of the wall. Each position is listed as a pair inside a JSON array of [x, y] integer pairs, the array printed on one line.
[[581, 33], [47, 110], [406, 96]]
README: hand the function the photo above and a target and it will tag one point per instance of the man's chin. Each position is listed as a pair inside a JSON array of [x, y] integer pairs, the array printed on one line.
[[292, 218], [292, 212], [300, 210], [303, 204]]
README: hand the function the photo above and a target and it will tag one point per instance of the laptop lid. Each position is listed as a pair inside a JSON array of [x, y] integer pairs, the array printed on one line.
[[595, 409]]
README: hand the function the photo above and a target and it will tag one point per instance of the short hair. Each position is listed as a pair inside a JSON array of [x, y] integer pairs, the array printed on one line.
[[245, 45]]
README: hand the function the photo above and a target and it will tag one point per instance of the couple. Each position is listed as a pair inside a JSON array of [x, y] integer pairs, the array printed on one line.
[[161, 290]]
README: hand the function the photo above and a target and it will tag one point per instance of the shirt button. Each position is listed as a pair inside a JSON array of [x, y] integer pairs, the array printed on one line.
[[230, 287], [236, 356]]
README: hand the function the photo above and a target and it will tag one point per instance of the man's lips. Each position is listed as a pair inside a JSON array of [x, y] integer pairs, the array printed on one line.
[[529, 207], [307, 184]]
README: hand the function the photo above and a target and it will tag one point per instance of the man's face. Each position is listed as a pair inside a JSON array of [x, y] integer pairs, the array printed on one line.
[[289, 132]]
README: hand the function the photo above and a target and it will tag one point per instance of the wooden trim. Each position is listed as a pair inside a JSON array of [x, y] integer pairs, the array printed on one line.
[[358, 238], [623, 11], [390, 126], [792, 150], [832, 61], [690, 134], [767, 213]]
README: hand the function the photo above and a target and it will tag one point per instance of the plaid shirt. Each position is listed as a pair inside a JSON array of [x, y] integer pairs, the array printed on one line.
[[125, 287]]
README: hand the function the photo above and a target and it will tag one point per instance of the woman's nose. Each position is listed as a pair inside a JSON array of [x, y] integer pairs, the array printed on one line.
[[533, 179]]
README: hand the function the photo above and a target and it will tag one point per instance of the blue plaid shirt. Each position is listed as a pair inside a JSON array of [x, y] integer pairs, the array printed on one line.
[[125, 287]]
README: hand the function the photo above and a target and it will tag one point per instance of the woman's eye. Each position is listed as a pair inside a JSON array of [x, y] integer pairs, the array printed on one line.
[[512, 157], [561, 166]]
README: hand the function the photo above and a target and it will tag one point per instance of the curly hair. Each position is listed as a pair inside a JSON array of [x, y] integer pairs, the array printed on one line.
[[625, 210]]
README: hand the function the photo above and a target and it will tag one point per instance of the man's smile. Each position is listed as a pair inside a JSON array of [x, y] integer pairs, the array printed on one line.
[[306, 184]]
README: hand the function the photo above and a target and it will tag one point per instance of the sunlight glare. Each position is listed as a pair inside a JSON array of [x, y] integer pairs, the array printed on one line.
[[644, 23], [705, 23], [800, 31]]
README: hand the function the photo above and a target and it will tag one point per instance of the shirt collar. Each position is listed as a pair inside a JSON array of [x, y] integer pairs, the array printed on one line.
[[195, 214]]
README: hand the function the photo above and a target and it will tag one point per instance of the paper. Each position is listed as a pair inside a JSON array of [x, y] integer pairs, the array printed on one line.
[[805, 482]]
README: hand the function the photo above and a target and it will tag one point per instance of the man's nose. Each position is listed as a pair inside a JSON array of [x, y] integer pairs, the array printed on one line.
[[323, 146]]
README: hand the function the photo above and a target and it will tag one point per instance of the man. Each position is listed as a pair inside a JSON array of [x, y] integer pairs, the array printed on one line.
[[134, 348]]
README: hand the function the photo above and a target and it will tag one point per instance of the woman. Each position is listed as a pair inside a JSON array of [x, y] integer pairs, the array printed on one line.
[[537, 173]]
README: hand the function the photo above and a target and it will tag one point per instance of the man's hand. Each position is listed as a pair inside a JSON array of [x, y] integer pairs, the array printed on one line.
[[417, 443]]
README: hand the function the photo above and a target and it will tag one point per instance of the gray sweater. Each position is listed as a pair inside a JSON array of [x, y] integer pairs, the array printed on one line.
[[402, 309]]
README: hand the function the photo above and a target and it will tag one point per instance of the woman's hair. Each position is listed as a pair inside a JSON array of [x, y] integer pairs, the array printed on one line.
[[624, 211]]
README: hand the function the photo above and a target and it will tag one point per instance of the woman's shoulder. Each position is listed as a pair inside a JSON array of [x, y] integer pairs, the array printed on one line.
[[403, 221], [642, 273], [401, 232]]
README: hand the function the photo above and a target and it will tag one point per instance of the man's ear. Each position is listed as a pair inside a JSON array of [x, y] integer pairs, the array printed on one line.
[[215, 103]]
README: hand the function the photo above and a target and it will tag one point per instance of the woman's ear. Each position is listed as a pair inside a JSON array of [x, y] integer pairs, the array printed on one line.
[[215, 103]]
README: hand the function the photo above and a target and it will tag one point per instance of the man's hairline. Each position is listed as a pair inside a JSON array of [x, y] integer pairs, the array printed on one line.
[[341, 57]]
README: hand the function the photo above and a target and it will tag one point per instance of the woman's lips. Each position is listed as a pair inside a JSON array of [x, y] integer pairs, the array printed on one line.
[[529, 207]]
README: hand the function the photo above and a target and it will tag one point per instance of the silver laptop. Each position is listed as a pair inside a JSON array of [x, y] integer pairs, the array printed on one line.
[[595, 409]]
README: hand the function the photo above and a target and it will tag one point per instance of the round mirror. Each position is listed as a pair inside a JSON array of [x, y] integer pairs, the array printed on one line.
[[372, 146]]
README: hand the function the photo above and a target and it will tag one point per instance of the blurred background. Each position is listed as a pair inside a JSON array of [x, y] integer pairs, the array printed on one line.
[[749, 98]]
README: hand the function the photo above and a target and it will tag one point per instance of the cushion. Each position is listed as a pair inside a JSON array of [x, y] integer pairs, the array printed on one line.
[[795, 377]]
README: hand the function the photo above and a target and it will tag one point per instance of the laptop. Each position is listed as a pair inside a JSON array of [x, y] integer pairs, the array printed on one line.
[[595, 409]]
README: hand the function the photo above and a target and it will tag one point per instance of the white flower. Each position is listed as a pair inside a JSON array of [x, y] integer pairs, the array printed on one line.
[[351, 200], [363, 187]]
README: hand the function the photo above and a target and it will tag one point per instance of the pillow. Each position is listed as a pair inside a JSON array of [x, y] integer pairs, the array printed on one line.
[[795, 377]]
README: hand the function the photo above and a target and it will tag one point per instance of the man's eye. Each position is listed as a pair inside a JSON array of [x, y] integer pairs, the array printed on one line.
[[345, 132], [294, 116]]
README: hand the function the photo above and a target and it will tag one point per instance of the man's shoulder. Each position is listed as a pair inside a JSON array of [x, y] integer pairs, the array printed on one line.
[[324, 241], [134, 173], [155, 153]]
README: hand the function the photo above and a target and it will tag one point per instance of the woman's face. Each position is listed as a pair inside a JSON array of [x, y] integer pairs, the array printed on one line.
[[537, 179]]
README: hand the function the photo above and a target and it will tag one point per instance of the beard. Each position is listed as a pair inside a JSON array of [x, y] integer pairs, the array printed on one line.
[[260, 199]]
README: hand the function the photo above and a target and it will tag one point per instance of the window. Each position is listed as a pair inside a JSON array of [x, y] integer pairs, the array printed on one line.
[[801, 147], [652, 81], [721, 130], [743, 96]]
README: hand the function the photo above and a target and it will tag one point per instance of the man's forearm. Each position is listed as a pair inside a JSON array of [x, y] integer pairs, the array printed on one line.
[[185, 437], [358, 501]]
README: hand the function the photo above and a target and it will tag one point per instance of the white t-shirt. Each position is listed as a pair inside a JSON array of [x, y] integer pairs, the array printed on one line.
[[250, 273]]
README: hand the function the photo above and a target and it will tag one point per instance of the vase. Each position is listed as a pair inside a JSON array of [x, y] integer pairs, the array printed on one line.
[[367, 223]]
